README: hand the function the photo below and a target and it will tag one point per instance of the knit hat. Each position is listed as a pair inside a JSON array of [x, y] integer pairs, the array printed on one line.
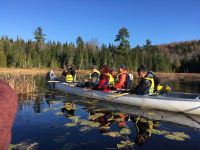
[[123, 67]]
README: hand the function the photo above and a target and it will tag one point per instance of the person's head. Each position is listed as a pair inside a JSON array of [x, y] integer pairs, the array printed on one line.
[[141, 71], [69, 68], [112, 72], [140, 139], [95, 67], [66, 66], [105, 69], [122, 68]]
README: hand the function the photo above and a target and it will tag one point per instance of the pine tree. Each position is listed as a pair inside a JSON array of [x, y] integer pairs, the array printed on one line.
[[103, 57], [39, 35], [123, 47], [79, 54], [122, 37], [3, 62]]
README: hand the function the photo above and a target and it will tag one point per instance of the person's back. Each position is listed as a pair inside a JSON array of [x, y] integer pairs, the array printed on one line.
[[93, 79], [95, 75], [156, 79], [51, 76]]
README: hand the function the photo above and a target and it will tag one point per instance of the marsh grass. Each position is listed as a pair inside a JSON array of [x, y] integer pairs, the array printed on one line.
[[22, 84], [23, 146]]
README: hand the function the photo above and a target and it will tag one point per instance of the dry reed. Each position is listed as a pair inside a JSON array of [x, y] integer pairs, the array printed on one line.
[[22, 84]]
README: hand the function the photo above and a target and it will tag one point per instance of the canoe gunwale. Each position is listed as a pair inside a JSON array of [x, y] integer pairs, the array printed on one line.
[[182, 105], [140, 96]]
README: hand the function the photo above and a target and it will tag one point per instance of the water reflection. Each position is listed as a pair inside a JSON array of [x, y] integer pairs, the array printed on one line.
[[118, 121], [59, 121], [95, 125], [69, 109], [184, 86], [144, 129]]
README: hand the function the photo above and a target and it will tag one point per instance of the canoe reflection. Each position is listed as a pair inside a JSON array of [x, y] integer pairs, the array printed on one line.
[[143, 126], [177, 118], [130, 124]]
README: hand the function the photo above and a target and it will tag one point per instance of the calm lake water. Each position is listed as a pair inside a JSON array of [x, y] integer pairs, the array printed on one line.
[[50, 120]]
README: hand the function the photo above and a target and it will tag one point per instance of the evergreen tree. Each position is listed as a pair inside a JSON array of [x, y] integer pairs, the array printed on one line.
[[148, 45], [123, 47], [181, 57], [79, 54], [2, 59], [103, 57], [122, 37], [39, 35]]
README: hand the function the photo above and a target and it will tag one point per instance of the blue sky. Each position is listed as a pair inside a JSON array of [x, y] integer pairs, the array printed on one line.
[[161, 21]]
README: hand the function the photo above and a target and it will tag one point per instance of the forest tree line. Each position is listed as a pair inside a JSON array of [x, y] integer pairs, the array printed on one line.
[[173, 57]]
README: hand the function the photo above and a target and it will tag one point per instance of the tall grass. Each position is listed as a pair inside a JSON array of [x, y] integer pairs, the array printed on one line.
[[22, 84]]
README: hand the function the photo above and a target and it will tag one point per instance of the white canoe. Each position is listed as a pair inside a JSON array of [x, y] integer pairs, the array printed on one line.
[[188, 120], [175, 102], [152, 114]]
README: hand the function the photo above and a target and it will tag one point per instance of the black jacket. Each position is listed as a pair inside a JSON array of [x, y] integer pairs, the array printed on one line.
[[144, 85], [156, 79]]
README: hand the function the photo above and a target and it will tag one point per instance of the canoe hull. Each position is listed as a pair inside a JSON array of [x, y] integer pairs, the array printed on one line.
[[188, 106]]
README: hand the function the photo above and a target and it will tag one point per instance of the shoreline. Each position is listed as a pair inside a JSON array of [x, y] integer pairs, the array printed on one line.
[[39, 71], [34, 71]]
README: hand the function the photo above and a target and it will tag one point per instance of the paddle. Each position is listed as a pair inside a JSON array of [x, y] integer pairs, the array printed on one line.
[[117, 95], [53, 81], [137, 119]]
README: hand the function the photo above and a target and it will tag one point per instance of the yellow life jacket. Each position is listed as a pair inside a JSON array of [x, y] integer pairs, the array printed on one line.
[[117, 77], [151, 90], [95, 71], [70, 78], [111, 79], [161, 88]]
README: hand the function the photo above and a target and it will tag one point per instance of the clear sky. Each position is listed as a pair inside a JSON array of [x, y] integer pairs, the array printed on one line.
[[161, 21]]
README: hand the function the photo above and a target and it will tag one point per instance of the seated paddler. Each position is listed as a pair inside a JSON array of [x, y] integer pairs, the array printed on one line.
[[146, 84], [94, 76], [123, 79], [158, 88], [50, 76], [68, 74], [156, 81], [106, 79]]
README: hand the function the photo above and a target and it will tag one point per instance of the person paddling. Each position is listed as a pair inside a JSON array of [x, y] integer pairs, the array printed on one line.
[[146, 84], [123, 78], [68, 74], [106, 79], [93, 78]]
